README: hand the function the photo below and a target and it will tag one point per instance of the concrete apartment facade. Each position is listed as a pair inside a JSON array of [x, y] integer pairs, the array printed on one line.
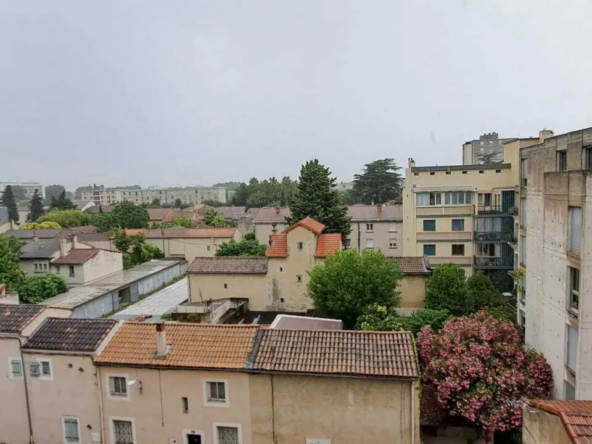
[[376, 227], [29, 188], [556, 252], [191, 195], [489, 148]]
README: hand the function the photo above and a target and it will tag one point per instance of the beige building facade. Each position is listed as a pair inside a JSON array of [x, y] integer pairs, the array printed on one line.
[[556, 422], [105, 196], [377, 227]]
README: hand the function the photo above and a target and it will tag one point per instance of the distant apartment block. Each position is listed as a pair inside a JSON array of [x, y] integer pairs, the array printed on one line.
[[489, 148], [101, 195], [29, 187]]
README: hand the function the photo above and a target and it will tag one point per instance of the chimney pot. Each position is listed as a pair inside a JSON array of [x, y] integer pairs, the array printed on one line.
[[161, 345]]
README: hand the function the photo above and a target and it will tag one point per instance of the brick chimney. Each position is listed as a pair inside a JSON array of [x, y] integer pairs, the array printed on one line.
[[63, 247], [161, 346], [411, 162]]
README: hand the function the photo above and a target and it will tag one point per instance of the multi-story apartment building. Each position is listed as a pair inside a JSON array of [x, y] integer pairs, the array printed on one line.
[[489, 148], [106, 196], [556, 251], [29, 187], [463, 214]]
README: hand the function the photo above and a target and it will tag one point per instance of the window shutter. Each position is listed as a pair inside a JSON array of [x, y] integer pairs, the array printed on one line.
[[34, 369]]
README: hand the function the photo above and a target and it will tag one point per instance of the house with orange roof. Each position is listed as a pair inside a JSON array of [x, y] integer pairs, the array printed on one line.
[[557, 422], [277, 282]]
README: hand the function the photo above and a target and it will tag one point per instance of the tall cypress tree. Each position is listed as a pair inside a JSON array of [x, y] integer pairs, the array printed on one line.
[[35, 208], [9, 202], [317, 198], [61, 203]]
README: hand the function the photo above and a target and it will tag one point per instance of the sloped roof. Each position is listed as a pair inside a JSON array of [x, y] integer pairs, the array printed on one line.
[[41, 249], [328, 244], [233, 213], [228, 265], [76, 256], [158, 213], [97, 209], [180, 232], [270, 215], [376, 213], [576, 417], [14, 318], [70, 334], [277, 246], [96, 237], [413, 265], [335, 353], [309, 223], [203, 346], [30, 234], [80, 204]]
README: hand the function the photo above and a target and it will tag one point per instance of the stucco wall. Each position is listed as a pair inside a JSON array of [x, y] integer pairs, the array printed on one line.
[[14, 425], [413, 291], [540, 427], [382, 234], [211, 286], [157, 411], [262, 231], [103, 264], [28, 265], [344, 410], [190, 248]]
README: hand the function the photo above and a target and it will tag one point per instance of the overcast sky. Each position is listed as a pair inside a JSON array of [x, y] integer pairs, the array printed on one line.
[[189, 92]]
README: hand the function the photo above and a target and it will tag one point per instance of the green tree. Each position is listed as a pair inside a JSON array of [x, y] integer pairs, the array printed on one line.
[[40, 287], [250, 235], [376, 317], [7, 200], [213, 219], [19, 193], [61, 203], [35, 208], [134, 248], [379, 182], [242, 248], [241, 195], [422, 318], [10, 251], [230, 186], [67, 218], [346, 283], [481, 293], [40, 226], [178, 203], [53, 191], [181, 221], [316, 198], [213, 203], [78, 192], [127, 215], [447, 290]]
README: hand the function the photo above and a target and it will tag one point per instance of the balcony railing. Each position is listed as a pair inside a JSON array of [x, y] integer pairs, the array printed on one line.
[[493, 236], [489, 209], [503, 262]]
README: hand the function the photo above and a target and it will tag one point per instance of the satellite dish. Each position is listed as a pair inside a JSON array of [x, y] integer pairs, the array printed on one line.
[[132, 382]]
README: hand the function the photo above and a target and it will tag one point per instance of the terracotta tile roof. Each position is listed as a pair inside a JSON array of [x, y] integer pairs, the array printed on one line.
[[180, 233], [174, 214], [30, 234], [413, 264], [14, 318], [228, 265], [192, 346], [377, 213], [576, 417], [70, 334], [309, 223], [335, 353], [93, 237], [97, 209], [270, 215], [158, 213], [278, 246], [76, 257], [328, 244], [233, 213]]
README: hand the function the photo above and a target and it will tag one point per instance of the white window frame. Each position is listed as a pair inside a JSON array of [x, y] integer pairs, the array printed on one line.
[[64, 429], [392, 227], [571, 292], [108, 377], [567, 343], [370, 227], [393, 243], [112, 427], [369, 244], [205, 389], [228, 424], [12, 359], [40, 362], [318, 441], [186, 432]]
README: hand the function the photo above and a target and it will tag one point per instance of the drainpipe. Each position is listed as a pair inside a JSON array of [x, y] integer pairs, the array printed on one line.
[[101, 413], [412, 413]]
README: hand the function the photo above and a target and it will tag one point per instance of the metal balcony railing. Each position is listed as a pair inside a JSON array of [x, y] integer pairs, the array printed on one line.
[[503, 262], [493, 236], [489, 209]]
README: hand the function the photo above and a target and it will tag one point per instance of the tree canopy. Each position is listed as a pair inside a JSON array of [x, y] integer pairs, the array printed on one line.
[[214, 219], [53, 191], [19, 193], [10, 251], [346, 283], [35, 207], [40, 226], [447, 290], [181, 221], [379, 182], [7, 200], [67, 218], [380, 318], [242, 248], [61, 202], [134, 248], [125, 215], [317, 198], [266, 193], [37, 288], [479, 369]]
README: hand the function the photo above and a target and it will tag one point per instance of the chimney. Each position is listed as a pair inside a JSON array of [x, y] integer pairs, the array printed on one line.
[[63, 247], [277, 210], [75, 244], [161, 346], [545, 134], [411, 162]]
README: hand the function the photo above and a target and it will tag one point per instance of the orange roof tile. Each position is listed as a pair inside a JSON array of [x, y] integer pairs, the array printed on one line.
[[576, 417], [328, 244], [76, 257], [278, 246], [192, 346], [180, 233], [413, 264], [309, 223]]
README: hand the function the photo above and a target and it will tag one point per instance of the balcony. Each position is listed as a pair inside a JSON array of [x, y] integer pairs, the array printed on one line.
[[493, 236], [494, 262], [489, 209]]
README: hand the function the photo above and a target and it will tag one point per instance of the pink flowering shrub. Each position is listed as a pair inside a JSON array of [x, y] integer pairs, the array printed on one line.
[[480, 370]]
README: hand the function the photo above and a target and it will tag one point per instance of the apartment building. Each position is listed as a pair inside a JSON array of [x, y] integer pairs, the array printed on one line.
[[555, 250], [376, 227], [190, 195], [29, 188], [489, 148], [270, 220]]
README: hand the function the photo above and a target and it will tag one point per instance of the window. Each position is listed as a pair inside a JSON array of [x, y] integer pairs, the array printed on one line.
[[561, 160], [432, 173], [523, 250], [281, 269], [185, 404], [458, 225], [41, 369], [464, 172], [429, 250], [458, 250], [123, 431], [429, 225], [45, 267], [369, 244], [118, 386], [317, 441], [524, 172], [523, 212], [570, 392], [498, 171], [588, 157], [46, 368], [522, 319], [36, 267], [481, 171], [392, 227], [574, 289], [575, 229], [227, 434], [15, 368], [71, 268], [216, 393], [34, 369], [448, 172], [299, 278], [392, 243], [446, 198], [71, 430], [369, 227], [572, 348], [300, 246], [225, 285]]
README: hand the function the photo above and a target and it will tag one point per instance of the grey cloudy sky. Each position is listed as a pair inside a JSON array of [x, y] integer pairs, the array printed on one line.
[[191, 92]]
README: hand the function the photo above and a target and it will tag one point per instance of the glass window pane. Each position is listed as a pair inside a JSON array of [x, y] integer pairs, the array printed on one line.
[[572, 348], [227, 435], [423, 199], [575, 229], [429, 250], [429, 225]]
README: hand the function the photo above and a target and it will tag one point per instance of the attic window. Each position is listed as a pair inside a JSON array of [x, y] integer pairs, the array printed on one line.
[[498, 171], [481, 171], [432, 173], [416, 174], [448, 172], [464, 172]]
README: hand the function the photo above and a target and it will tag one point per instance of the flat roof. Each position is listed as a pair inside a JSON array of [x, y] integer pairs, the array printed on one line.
[[492, 166], [82, 294]]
